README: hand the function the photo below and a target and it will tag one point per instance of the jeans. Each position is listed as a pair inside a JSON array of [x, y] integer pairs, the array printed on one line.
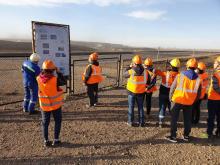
[[92, 91], [30, 98], [164, 103], [57, 115], [213, 112], [148, 102], [187, 114], [139, 98], [196, 112]]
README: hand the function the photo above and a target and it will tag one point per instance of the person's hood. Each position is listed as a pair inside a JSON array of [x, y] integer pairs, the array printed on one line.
[[45, 77], [138, 69], [96, 63], [191, 74]]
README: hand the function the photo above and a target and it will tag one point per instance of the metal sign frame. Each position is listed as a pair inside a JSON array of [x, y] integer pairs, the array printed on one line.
[[68, 86]]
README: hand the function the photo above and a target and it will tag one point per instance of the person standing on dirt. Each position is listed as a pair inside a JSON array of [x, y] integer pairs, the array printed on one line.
[[214, 101], [204, 78], [148, 66], [51, 100], [167, 80], [138, 79], [184, 91], [91, 77], [30, 71]]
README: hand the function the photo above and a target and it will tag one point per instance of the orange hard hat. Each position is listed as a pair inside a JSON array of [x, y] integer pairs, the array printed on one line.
[[94, 56], [201, 66], [48, 64], [192, 63], [137, 59], [148, 62]]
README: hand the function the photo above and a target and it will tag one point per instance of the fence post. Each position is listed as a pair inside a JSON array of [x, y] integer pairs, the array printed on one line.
[[119, 71], [158, 53], [73, 77]]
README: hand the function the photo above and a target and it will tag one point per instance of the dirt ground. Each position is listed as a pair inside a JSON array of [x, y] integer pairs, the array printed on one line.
[[101, 136]]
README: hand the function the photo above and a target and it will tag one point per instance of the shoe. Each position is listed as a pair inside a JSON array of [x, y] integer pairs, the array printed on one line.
[[56, 143], [24, 110], [160, 124], [89, 106], [33, 112], [142, 125], [186, 138], [171, 139], [47, 143], [217, 133], [130, 124]]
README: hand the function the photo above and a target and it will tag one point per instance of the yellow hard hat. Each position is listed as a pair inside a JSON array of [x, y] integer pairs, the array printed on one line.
[[137, 59], [148, 62], [201, 66], [175, 62], [218, 59], [192, 63]]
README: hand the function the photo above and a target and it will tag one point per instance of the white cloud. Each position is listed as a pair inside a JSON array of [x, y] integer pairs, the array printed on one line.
[[147, 15], [59, 2]]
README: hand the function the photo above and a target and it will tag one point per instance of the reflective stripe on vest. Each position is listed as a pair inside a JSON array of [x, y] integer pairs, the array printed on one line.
[[167, 80], [51, 104], [180, 85], [138, 83], [51, 97], [29, 68]]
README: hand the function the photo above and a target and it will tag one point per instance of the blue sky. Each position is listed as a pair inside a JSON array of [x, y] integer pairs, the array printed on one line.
[[148, 23]]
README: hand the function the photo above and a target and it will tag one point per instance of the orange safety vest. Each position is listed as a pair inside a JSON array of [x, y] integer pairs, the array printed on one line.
[[152, 76], [96, 76], [168, 78], [204, 78], [50, 99], [137, 84], [212, 94], [186, 90]]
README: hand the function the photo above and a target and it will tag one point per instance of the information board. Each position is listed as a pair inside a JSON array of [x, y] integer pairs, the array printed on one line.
[[52, 41]]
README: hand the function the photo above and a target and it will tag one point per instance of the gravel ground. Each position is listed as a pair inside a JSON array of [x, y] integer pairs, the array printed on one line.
[[101, 136]]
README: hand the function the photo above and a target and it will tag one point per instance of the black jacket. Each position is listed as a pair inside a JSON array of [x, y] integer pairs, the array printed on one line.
[[89, 70]]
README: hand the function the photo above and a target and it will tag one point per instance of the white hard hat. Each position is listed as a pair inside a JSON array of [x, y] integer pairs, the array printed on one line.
[[34, 57]]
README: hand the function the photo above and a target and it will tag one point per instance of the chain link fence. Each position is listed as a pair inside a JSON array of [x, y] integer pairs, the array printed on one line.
[[113, 65], [11, 81]]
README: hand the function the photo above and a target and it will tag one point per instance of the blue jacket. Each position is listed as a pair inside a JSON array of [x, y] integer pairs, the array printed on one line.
[[30, 71]]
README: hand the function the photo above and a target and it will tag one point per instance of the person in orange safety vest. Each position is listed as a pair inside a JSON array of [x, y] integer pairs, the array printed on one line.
[[148, 66], [184, 91], [91, 77], [201, 70], [214, 101], [51, 100], [167, 80], [138, 80]]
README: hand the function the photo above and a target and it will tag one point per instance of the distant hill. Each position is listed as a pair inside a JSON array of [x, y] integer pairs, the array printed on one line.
[[26, 46]]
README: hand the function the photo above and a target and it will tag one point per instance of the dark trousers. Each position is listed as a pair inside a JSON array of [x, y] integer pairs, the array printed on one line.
[[57, 115], [187, 114], [164, 103], [92, 91], [139, 98], [213, 113], [196, 112], [148, 97], [30, 98]]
